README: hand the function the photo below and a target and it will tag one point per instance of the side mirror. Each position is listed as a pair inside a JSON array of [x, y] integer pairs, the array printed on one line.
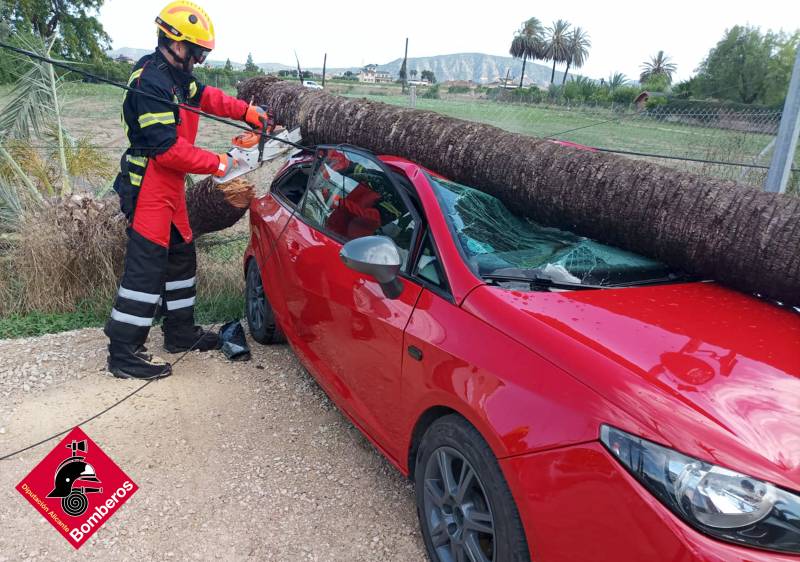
[[378, 257]]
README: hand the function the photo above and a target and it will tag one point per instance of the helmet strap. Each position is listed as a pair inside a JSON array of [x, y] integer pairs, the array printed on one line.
[[184, 61]]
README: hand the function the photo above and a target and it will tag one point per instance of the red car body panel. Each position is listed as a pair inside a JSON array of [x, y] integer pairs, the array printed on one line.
[[579, 505], [710, 371], [700, 368]]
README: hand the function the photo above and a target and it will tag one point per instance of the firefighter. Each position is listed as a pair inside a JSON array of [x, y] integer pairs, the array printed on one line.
[[160, 260]]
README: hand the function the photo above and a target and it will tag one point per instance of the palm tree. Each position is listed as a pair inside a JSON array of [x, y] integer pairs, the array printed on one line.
[[557, 42], [603, 196], [617, 80], [659, 65], [579, 43], [528, 43]]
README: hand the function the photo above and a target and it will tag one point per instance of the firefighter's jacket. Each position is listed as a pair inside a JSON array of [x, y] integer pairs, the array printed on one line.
[[162, 151]]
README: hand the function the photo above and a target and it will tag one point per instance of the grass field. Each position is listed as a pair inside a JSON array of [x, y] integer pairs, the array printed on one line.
[[92, 111], [603, 128]]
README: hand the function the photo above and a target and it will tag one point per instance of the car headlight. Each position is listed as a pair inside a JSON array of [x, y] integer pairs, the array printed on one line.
[[716, 501]]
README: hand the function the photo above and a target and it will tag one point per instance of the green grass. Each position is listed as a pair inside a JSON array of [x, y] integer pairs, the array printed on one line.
[[39, 323], [219, 309], [603, 127]]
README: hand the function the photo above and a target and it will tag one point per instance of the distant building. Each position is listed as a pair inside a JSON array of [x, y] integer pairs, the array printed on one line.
[[460, 84], [372, 75], [125, 59]]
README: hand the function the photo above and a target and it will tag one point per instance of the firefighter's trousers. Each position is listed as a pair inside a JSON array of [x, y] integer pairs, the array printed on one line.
[[154, 277]]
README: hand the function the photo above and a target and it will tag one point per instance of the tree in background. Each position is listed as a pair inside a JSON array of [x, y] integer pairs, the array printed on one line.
[[578, 50], [656, 83], [747, 66], [779, 68], [557, 44], [528, 43], [659, 65], [228, 66], [249, 66], [429, 76], [74, 24], [617, 80], [412, 72]]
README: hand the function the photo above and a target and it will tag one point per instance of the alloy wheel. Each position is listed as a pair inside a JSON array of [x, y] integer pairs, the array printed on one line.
[[457, 510], [256, 301]]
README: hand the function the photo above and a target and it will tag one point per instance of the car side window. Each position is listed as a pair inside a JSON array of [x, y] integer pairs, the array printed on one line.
[[429, 267], [293, 185], [350, 196]]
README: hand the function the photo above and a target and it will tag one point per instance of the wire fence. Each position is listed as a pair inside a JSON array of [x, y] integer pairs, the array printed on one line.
[[720, 142]]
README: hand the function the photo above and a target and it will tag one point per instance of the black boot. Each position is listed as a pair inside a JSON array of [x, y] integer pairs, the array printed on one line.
[[126, 362], [195, 338], [142, 353]]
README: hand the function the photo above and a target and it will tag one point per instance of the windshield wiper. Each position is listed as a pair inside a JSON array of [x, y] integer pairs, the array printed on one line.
[[538, 282], [541, 282]]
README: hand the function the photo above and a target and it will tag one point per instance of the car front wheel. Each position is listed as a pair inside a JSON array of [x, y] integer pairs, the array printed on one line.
[[260, 316], [465, 508]]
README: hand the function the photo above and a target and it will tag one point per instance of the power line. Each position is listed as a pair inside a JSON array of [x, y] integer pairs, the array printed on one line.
[[685, 158], [168, 102]]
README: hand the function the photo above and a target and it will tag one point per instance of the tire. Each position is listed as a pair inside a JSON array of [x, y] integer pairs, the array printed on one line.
[[461, 519], [260, 316]]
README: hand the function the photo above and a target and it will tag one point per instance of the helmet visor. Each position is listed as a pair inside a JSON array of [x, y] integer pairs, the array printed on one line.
[[202, 55]]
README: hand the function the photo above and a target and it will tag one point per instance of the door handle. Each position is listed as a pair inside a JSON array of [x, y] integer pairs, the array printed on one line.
[[415, 352]]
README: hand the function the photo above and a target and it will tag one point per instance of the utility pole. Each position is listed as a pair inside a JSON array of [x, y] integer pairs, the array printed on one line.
[[324, 65], [786, 141], [404, 68]]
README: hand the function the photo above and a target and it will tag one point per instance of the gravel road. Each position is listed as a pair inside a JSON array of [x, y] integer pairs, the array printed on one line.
[[233, 460]]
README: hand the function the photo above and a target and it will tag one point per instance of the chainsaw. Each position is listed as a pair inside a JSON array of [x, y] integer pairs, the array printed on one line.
[[253, 148]]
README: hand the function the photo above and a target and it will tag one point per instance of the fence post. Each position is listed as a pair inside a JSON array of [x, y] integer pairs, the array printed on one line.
[[786, 141], [412, 95]]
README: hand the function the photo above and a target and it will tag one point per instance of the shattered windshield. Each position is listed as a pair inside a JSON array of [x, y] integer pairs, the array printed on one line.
[[497, 242]]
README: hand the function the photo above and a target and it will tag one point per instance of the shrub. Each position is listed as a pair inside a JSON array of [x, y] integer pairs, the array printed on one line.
[[431, 93], [458, 89], [656, 101], [624, 95], [658, 83], [68, 252]]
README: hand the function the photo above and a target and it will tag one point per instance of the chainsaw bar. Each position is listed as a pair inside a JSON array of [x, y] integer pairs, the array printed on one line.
[[245, 152]]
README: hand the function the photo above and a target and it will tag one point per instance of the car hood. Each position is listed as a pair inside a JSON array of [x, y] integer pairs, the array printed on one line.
[[712, 372]]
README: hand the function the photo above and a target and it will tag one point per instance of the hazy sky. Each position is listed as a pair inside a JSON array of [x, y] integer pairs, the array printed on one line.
[[357, 32]]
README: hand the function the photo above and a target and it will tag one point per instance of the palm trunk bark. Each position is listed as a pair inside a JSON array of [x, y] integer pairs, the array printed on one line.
[[553, 74], [214, 207], [718, 229], [564, 80], [522, 77]]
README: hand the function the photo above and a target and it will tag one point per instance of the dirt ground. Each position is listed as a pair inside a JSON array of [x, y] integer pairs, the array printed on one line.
[[233, 460]]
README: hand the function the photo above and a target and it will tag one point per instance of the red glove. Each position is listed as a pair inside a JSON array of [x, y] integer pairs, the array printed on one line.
[[226, 162], [257, 117]]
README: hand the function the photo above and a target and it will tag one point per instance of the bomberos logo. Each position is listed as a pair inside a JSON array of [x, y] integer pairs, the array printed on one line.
[[78, 492]]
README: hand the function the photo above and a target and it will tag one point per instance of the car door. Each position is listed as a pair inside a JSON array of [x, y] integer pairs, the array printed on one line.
[[344, 326]]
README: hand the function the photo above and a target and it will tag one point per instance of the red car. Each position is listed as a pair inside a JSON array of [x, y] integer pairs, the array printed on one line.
[[551, 397]]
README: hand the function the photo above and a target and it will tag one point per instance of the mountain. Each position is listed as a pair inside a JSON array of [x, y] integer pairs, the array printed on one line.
[[478, 67]]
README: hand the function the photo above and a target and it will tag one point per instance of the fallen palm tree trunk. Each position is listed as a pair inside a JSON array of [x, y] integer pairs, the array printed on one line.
[[719, 229], [214, 207]]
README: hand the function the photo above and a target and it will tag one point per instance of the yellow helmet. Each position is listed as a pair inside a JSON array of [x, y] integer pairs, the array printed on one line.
[[186, 21]]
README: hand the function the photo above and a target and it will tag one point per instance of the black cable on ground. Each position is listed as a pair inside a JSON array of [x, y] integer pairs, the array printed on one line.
[[97, 415], [124, 398]]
